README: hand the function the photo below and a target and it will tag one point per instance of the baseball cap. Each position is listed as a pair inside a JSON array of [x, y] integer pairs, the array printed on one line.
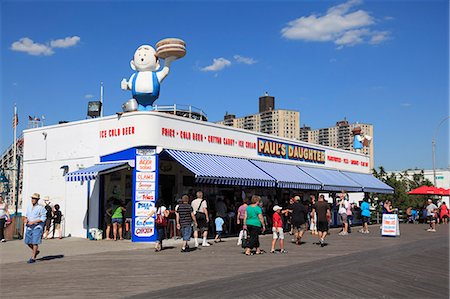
[[276, 208]]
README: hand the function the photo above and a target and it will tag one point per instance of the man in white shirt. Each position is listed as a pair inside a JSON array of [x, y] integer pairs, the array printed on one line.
[[431, 215], [34, 226], [200, 208]]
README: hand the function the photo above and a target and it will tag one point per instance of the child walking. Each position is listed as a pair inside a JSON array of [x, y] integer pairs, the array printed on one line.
[[277, 229], [219, 229]]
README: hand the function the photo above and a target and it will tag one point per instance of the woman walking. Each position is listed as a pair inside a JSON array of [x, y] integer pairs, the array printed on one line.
[[254, 222], [160, 222], [241, 219]]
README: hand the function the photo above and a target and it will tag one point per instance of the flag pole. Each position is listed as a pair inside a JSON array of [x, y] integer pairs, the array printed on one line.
[[14, 151]]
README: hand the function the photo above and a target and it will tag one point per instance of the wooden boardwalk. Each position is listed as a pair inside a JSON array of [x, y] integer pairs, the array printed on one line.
[[413, 265]]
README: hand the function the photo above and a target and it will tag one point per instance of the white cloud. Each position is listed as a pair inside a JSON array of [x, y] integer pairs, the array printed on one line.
[[245, 60], [65, 42], [406, 105], [89, 96], [217, 65], [27, 45], [342, 24], [379, 37]]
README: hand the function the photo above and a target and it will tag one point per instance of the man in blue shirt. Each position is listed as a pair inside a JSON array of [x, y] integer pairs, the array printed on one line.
[[34, 226]]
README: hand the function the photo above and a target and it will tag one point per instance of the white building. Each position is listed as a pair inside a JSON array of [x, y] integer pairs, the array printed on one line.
[[141, 156]]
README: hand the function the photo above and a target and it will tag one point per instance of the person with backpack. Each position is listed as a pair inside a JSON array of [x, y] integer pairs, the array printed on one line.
[[160, 222]]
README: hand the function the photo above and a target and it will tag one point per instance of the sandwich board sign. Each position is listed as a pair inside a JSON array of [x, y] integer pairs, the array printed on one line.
[[390, 226]]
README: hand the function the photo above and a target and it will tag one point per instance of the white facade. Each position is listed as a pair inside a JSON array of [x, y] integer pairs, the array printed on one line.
[[76, 145]]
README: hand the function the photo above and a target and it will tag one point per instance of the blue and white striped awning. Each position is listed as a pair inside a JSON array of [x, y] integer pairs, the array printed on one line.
[[369, 182], [332, 180], [91, 173], [288, 176], [222, 170]]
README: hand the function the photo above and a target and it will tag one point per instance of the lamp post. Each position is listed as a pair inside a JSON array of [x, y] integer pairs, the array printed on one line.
[[433, 148]]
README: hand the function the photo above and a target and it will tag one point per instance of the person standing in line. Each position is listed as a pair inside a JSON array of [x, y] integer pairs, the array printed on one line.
[[107, 218], [49, 215], [4, 216], [444, 212], [343, 207], [431, 213], [299, 213], [322, 209], [313, 216], [185, 218], [365, 213], [57, 216], [200, 208], [240, 220], [254, 222], [34, 221], [277, 229]]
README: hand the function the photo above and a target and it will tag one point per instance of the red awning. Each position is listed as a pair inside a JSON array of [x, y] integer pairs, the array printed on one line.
[[430, 190]]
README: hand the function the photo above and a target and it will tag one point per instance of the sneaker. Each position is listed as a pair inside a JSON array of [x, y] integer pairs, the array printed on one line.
[[3, 240], [366, 232], [183, 250], [196, 244], [322, 244], [433, 230], [283, 251], [361, 231], [272, 251], [429, 230], [31, 261], [206, 244]]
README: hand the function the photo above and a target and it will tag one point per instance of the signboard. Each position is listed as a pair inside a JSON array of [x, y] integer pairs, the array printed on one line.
[[145, 194], [390, 226]]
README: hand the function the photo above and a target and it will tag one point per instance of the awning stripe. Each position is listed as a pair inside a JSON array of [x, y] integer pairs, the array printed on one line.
[[332, 180], [288, 176], [223, 170], [91, 173], [369, 182]]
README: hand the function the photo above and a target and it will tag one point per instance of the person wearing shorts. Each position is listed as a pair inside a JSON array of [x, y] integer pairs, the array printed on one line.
[[200, 208], [299, 213], [322, 209], [185, 218], [365, 213], [35, 218], [343, 207], [431, 214], [277, 229]]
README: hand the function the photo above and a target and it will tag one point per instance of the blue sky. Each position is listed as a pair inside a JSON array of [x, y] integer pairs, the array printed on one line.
[[379, 62]]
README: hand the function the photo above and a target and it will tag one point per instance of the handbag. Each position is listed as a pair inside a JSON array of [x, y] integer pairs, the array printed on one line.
[[160, 219], [200, 216], [245, 239]]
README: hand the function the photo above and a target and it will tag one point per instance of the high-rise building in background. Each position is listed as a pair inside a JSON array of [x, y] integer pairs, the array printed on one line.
[[278, 122], [339, 136]]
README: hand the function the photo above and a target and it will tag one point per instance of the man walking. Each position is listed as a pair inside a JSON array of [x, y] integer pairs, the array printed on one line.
[[34, 221], [200, 208], [431, 214], [322, 209], [299, 212], [185, 217]]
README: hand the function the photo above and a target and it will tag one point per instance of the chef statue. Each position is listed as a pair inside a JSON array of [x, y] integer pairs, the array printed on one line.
[[359, 140], [145, 82]]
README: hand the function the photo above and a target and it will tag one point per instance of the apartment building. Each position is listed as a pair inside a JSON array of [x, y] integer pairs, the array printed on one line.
[[278, 122], [339, 136]]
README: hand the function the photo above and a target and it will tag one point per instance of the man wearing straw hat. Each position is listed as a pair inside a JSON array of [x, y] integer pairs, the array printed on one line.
[[34, 226]]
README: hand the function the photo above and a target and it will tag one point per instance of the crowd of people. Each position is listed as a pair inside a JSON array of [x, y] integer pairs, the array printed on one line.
[[193, 218]]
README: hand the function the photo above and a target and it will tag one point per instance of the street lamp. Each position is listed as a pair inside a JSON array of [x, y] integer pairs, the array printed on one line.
[[433, 148]]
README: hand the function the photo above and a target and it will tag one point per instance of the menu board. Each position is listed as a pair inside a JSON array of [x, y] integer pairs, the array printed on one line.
[[145, 194]]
